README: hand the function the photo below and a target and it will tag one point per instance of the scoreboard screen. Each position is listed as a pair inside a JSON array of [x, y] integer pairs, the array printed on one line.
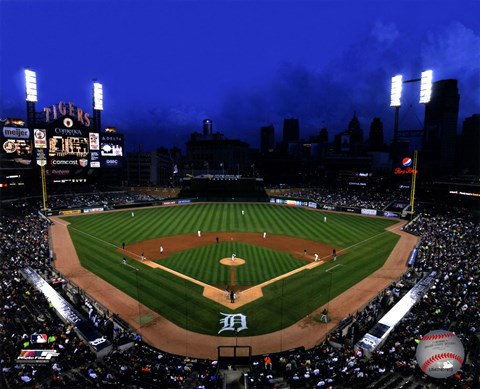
[[68, 147]]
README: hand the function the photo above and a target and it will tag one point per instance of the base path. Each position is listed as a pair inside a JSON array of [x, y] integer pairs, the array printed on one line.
[[171, 338]]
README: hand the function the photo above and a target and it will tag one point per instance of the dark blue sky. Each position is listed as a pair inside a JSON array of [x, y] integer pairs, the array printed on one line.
[[167, 65]]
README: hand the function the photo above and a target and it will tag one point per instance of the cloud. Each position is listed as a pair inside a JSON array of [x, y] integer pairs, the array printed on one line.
[[454, 52], [328, 97], [456, 48], [161, 126], [385, 33]]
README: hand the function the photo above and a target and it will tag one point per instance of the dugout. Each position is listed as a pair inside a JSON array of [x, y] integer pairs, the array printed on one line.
[[234, 356]]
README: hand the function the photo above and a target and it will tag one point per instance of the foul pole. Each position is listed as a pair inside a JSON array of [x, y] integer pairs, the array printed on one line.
[[412, 186], [44, 181]]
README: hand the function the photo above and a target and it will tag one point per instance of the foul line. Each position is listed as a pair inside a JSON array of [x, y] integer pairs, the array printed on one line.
[[133, 267], [334, 267], [366, 240], [100, 240]]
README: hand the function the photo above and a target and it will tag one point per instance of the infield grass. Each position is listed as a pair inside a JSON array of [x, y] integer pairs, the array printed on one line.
[[97, 238]]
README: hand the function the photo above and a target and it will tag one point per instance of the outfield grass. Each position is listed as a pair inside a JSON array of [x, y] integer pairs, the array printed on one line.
[[96, 238]]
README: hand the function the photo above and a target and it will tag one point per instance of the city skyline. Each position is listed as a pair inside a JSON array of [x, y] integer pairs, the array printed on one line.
[[166, 67]]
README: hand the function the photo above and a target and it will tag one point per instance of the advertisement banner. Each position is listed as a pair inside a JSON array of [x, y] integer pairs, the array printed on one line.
[[70, 212], [111, 145], [111, 150], [112, 163], [388, 214], [18, 151], [95, 159], [40, 138], [404, 166], [94, 141], [16, 133], [92, 210], [36, 356]]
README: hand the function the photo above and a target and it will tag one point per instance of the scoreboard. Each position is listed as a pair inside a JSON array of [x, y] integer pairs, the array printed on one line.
[[66, 147]]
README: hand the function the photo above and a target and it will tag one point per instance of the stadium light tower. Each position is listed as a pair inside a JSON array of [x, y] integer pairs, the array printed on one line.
[[396, 94], [97, 104], [31, 95], [395, 101]]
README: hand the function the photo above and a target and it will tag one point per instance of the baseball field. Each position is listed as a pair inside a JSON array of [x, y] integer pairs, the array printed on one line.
[[276, 279]]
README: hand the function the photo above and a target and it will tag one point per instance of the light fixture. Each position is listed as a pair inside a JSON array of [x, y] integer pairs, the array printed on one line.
[[31, 85], [396, 91], [97, 96], [426, 86]]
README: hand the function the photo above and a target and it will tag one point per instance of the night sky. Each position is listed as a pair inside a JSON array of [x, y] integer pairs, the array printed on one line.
[[167, 65]]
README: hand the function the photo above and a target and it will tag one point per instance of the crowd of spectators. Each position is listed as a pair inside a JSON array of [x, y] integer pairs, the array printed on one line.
[[26, 312], [103, 199], [352, 197], [449, 244]]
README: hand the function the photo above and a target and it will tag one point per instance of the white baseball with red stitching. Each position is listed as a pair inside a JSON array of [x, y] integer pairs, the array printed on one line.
[[440, 354]]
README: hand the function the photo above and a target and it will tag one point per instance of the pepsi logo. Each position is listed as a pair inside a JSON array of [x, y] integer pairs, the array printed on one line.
[[407, 161]]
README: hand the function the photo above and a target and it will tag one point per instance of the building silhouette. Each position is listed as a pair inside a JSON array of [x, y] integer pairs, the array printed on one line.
[[291, 130], [376, 135], [267, 139], [207, 127], [211, 152], [440, 128], [469, 144], [354, 129]]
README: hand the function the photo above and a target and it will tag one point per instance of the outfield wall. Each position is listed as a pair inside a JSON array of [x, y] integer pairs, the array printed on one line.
[[275, 200]]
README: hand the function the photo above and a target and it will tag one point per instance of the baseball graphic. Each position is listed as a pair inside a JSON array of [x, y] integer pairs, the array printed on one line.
[[440, 354]]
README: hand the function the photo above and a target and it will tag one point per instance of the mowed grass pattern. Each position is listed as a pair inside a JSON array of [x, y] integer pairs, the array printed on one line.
[[203, 263], [96, 238]]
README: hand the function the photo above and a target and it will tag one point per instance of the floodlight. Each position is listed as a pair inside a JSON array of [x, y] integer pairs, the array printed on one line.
[[31, 85], [97, 96], [396, 91], [426, 86]]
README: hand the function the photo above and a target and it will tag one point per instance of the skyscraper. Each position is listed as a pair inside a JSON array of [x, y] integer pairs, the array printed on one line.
[[469, 157], [354, 129], [207, 127], [291, 130], [376, 135], [267, 139], [440, 127]]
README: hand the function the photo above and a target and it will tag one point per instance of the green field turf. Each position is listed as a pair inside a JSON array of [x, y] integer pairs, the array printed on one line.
[[96, 238]]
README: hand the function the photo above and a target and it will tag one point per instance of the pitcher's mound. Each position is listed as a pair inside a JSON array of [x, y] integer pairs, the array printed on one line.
[[229, 262]]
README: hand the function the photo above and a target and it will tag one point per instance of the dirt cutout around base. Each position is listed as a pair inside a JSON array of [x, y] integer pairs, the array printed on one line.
[[166, 336]]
